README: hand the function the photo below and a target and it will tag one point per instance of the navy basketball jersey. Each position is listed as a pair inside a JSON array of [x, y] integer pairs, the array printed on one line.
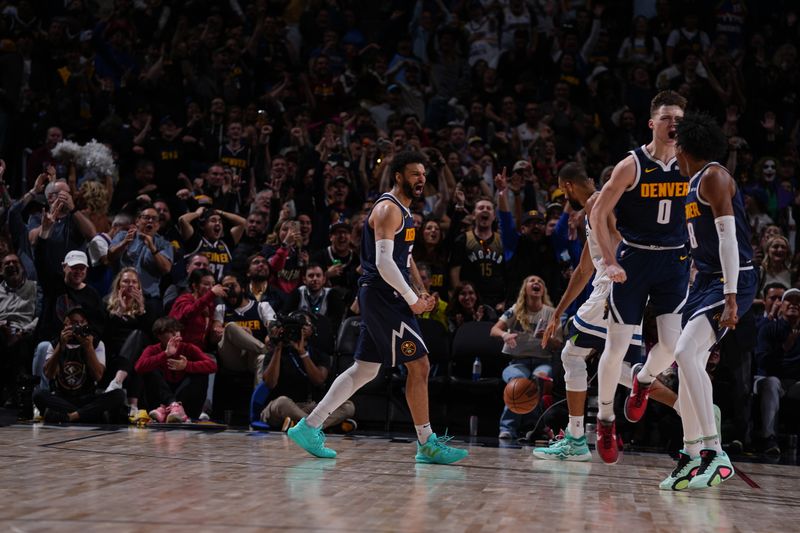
[[651, 211], [703, 233], [218, 253], [403, 243], [247, 318]]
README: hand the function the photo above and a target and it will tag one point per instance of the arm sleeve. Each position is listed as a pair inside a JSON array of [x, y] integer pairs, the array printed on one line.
[[387, 267], [728, 252]]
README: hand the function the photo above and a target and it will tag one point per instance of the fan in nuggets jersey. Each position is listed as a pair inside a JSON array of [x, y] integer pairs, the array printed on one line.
[[646, 194], [389, 330], [722, 291]]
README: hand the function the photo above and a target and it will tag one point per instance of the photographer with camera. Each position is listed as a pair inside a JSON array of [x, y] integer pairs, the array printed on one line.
[[75, 362], [244, 325], [294, 372]]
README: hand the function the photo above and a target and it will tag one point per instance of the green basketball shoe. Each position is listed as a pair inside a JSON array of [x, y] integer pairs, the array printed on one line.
[[683, 473], [436, 451], [566, 448], [310, 439], [714, 469]]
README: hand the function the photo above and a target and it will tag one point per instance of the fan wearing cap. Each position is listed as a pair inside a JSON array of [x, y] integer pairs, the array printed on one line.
[[74, 363], [338, 259], [66, 291], [777, 366]]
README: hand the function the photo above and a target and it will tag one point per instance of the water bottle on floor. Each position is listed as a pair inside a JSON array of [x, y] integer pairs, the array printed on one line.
[[476, 369]]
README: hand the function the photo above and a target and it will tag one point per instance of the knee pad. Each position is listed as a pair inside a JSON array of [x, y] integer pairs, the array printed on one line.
[[574, 361]]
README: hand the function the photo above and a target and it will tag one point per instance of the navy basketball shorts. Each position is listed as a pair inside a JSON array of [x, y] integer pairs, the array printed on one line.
[[660, 275], [389, 331], [707, 298], [596, 341]]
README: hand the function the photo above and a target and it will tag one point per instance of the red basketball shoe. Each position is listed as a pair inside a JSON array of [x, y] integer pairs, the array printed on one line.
[[636, 402], [607, 442]]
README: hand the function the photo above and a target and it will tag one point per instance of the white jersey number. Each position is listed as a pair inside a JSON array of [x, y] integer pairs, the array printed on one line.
[[692, 238], [664, 211]]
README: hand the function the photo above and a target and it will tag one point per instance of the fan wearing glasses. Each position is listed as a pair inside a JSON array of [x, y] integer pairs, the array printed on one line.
[[142, 248]]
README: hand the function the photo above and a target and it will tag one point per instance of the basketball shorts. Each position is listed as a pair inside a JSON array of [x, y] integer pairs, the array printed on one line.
[[707, 298], [389, 331], [660, 275], [587, 329]]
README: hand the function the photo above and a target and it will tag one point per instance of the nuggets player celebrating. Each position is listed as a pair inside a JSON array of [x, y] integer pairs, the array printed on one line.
[[389, 331], [587, 329], [723, 290], [646, 193]]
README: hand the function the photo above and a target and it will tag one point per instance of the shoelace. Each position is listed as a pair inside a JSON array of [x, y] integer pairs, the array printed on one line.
[[706, 458], [443, 440], [682, 462], [608, 439], [641, 394]]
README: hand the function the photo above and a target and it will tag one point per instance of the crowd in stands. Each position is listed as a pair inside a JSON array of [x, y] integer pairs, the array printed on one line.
[[250, 138]]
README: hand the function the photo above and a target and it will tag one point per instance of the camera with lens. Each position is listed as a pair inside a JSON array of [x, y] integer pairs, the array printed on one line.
[[80, 330], [289, 328]]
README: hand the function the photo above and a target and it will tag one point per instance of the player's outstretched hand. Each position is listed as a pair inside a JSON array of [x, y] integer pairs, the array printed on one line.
[[550, 330], [616, 273]]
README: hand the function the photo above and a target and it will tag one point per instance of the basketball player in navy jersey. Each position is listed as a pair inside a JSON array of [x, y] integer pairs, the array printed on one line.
[[723, 290], [389, 330], [646, 193]]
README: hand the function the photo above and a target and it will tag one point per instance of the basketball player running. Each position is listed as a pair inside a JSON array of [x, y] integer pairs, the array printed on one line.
[[587, 330], [646, 192], [719, 236], [389, 331]]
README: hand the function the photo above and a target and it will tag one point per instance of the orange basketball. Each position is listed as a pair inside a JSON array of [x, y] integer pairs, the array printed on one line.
[[521, 395]]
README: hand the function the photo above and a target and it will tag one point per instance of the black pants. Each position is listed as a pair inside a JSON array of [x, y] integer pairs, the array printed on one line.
[[90, 407], [191, 391], [125, 360]]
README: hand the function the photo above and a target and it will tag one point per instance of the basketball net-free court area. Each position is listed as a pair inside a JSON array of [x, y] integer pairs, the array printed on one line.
[[92, 479]]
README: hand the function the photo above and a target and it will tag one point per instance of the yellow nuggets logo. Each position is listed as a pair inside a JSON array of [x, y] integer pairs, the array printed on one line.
[[408, 348], [692, 210], [664, 190], [411, 233]]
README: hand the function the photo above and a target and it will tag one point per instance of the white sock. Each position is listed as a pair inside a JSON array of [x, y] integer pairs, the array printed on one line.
[[342, 388], [423, 432], [712, 443], [617, 340], [575, 427], [692, 448]]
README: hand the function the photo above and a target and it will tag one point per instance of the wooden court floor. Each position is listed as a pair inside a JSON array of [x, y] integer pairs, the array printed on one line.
[[90, 479]]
